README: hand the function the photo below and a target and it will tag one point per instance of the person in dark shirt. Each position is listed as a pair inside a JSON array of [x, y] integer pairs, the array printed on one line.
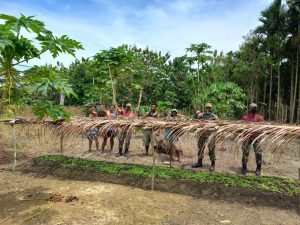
[[100, 110]]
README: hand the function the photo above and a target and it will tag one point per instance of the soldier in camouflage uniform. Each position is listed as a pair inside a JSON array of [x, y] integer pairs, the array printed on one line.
[[207, 115]]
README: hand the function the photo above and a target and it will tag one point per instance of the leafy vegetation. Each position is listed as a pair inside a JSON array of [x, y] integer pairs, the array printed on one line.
[[22, 39], [272, 184]]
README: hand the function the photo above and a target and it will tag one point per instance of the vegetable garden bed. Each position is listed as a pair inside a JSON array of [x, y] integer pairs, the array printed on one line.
[[269, 191]]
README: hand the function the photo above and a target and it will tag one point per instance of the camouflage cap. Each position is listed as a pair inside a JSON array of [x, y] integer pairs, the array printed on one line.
[[252, 105], [208, 105], [174, 110], [128, 105]]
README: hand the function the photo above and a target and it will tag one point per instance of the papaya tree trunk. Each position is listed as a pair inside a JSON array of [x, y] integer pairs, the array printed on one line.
[[6, 94]]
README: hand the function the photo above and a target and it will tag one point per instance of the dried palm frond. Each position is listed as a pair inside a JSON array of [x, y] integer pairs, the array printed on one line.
[[267, 135]]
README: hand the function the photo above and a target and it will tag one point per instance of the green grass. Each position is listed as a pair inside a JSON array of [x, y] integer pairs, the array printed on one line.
[[273, 184]]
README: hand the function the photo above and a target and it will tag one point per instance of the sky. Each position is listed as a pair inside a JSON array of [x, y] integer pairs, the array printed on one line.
[[162, 25]]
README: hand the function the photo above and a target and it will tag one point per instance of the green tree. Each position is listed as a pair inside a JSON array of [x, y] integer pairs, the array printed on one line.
[[17, 46], [227, 98], [45, 87]]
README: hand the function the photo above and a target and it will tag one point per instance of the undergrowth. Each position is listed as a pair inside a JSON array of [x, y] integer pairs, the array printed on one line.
[[273, 184]]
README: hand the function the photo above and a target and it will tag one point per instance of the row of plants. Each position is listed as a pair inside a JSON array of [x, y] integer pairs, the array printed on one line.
[[271, 184]]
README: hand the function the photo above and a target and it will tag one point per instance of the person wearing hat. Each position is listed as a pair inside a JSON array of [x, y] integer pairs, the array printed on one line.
[[149, 133], [207, 115], [252, 117], [125, 135], [170, 138]]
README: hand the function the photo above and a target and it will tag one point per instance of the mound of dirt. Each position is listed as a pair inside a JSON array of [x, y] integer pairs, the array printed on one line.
[[212, 191]]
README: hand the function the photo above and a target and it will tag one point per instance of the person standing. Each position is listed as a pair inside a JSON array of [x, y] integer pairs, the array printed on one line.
[[256, 118], [170, 137], [207, 115], [112, 132], [149, 134], [125, 135], [100, 110], [92, 133]]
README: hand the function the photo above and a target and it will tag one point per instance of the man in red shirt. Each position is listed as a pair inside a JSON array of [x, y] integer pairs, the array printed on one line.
[[252, 117]]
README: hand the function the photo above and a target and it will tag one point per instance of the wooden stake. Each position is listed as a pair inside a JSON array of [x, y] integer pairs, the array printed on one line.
[[14, 144], [170, 146], [153, 168], [61, 143]]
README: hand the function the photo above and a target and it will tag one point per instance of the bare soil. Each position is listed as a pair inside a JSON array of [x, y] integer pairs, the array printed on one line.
[[100, 203], [23, 195]]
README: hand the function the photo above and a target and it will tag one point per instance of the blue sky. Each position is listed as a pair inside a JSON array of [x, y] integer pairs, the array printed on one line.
[[162, 25]]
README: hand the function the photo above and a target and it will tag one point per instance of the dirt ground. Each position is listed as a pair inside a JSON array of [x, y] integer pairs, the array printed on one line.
[[100, 203], [23, 195], [32, 143]]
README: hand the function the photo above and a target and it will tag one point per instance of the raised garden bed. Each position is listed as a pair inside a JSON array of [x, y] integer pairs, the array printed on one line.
[[270, 191]]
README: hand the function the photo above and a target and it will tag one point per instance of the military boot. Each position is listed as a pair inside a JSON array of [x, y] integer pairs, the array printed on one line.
[[258, 170], [258, 165], [126, 152], [198, 164], [244, 168], [120, 152], [212, 166]]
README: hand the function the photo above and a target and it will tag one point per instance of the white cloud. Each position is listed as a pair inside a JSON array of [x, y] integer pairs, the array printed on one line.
[[169, 27]]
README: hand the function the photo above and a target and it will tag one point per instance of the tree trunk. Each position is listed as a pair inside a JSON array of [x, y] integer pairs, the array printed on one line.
[[140, 100], [297, 71], [198, 68], [278, 94], [251, 90], [6, 90], [270, 92], [264, 97], [62, 99], [292, 92], [296, 82], [113, 87]]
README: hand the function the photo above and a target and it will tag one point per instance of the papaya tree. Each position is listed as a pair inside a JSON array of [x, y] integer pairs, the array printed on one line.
[[46, 84], [23, 39]]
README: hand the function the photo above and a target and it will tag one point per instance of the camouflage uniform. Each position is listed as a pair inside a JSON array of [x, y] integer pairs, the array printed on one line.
[[257, 150], [124, 136], [203, 138]]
